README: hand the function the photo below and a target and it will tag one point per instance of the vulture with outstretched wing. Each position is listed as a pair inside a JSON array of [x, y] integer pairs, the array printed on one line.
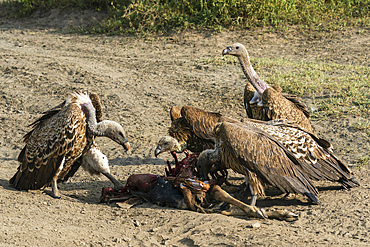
[[266, 102], [315, 154], [62, 140], [260, 157]]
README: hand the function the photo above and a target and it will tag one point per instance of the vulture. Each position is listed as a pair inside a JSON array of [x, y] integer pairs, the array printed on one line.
[[314, 154], [192, 128], [258, 156], [62, 140], [266, 102]]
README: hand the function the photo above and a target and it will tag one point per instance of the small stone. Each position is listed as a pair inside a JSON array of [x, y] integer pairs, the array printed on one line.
[[256, 225]]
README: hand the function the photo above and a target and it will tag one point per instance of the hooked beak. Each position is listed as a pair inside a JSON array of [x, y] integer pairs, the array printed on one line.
[[157, 151], [126, 145], [226, 50]]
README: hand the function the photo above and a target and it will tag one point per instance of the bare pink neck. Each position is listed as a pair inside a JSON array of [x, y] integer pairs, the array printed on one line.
[[259, 84]]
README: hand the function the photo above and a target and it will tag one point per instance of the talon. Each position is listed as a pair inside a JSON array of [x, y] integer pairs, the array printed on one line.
[[261, 214]]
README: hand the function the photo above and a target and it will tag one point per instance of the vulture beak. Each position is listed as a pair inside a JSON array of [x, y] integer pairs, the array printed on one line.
[[226, 50], [126, 145], [157, 151]]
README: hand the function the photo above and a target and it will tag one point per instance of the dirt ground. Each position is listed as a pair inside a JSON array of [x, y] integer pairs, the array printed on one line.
[[138, 80]]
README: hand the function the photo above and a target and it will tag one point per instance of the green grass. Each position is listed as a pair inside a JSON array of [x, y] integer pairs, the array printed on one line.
[[336, 90], [133, 16]]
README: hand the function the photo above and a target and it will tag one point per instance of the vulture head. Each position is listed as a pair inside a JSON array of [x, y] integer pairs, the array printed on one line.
[[167, 143], [236, 49], [115, 132]]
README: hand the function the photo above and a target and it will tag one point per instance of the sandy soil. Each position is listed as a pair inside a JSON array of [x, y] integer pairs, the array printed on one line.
[[139, 79]]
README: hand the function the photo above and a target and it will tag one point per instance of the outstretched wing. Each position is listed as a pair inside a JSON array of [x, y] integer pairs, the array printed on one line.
[[53, 142], [314, 153], [247, 148]]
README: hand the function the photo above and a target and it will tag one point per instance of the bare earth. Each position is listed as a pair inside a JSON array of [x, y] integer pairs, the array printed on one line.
[[138, 80]]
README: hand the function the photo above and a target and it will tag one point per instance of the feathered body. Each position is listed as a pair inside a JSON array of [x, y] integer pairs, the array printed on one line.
[[260, 157], [193, 127], [315, 154], [266, 102], [57, 141]]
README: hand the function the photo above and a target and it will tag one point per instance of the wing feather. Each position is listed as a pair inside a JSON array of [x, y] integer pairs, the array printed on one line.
[[201, 122], [60, 137], [251, 149]]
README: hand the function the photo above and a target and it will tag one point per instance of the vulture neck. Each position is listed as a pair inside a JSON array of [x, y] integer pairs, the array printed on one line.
[[95, 128], [259, 84]]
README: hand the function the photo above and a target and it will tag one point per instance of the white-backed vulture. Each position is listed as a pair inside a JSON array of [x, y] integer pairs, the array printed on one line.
[[266, 102], [61, 141], [258, 156]]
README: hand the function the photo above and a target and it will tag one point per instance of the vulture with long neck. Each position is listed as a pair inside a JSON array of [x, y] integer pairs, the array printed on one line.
[[258, 156], [266, 102], [62, 140]]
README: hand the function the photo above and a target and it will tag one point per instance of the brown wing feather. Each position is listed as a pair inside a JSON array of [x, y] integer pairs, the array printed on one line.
[[175, 113], [60, 137], [97, 105], [201, 122], [245, 148], [248, 95], [315, 155], [276, 106]]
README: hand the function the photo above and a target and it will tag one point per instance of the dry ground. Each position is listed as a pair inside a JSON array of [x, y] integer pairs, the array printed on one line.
[[139, 79]]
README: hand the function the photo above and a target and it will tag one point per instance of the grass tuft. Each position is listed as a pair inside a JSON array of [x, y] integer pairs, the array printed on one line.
[[133, 16]]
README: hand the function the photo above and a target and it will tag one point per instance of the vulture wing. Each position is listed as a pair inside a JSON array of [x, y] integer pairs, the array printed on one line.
[[54, 141], [250, 149], [315, 154], [276, 106], [248, 95], [175, 113], [200, 121]]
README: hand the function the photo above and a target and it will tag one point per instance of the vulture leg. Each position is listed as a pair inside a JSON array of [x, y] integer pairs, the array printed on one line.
[[54, 183], [54, 188], [250, 211], [254, 195], [117, 185]]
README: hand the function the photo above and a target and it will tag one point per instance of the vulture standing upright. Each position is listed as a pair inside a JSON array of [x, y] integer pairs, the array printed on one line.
[[266, 102], [259, 157], [62, 140]]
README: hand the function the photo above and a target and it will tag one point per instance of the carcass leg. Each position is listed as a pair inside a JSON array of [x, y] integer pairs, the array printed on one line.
[[188, 198], [273, 214], [251, 211]]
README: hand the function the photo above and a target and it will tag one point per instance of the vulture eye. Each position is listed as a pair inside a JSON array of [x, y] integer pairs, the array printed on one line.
[[120, 134], [166, 143], [237, 47]]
